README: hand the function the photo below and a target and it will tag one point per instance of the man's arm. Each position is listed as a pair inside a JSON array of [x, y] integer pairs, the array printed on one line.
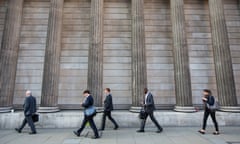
[[26, 106]]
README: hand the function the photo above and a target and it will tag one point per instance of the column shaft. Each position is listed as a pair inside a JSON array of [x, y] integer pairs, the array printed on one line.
[[95, 61], [9, 53], [52, 56], [139, 72], [222, 56], [181, 58]]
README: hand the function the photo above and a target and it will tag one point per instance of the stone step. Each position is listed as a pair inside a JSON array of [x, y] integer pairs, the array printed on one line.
[[125, 119]]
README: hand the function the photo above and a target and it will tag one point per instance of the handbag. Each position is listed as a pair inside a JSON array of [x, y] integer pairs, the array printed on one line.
[[142, 114], [35, 117], [213, 107], [90, 111]]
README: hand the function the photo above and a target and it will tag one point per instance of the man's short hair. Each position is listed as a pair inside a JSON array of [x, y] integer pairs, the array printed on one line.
[[108, 89], [208, 91], [86, 92]]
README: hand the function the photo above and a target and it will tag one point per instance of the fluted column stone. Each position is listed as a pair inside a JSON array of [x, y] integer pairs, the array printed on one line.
[[222, 58], [9, 54], [181, 59], [139, 72], [49, 98], [95, 61]]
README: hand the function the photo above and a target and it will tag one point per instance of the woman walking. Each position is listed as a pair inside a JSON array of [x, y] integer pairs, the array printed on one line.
[[209, 101]]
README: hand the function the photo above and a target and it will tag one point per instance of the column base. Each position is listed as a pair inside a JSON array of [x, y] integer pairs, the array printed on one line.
[[135, 109], [234, 109], [100, 109], [5, 109], [48, 109], [187, 109]]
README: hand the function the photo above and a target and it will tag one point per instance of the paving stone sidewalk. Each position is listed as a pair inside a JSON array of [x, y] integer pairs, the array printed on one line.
[[170, 135]]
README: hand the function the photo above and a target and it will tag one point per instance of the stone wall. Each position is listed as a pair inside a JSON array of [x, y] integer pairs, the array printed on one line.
[[122, 31]]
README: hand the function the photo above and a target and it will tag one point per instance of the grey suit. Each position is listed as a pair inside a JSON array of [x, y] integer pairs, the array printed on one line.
[[149, 108], [30, 108]]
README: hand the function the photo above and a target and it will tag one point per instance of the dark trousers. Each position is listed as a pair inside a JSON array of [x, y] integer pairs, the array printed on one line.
[[213, 116], [153, 120], [107, 114], [92, 125], [28, 119]]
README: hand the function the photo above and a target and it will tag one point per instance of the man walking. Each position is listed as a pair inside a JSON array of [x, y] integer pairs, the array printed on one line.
[[88, 102], [149, 107], [30, 108], [108, 107]]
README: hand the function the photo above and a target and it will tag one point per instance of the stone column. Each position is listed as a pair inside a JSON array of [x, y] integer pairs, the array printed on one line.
[[9, 54], [222, 58], [139, 72], [49, 98], [181, 59], [95, 60]]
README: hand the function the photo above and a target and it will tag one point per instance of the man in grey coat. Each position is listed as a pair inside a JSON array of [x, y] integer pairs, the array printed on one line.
[[30, 107], [149, 107]]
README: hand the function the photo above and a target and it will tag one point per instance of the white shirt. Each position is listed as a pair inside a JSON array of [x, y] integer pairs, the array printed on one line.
[[146, 97]]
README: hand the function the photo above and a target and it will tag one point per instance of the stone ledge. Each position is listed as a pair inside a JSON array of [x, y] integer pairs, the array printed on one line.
[[126, 119]]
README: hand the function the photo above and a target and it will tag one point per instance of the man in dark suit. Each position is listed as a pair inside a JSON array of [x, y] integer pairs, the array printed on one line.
[[149, 107], [108, 107], [30, 108], [88, 102]]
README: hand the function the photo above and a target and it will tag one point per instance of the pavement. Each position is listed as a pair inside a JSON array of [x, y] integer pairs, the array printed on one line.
[[170, 135]]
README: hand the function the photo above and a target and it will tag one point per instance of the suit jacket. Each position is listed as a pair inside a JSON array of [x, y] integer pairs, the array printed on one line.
[[88, 102], [149, 106], [29, 106], [108, 105]]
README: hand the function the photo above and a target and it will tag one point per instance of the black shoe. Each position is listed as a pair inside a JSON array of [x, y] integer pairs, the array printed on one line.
[[76, 133], [95, 137], [140, 131], [216, 133], [18, 130], [116, 127], [32, 133], [201, 132], [100, 129], [159, 131]]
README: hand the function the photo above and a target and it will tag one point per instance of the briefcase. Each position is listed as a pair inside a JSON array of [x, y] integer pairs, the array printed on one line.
[[35, 117], [142, 114]]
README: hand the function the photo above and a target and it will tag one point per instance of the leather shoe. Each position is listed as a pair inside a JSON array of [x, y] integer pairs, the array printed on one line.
[[116, 127], [18, 130], [95, 137], [159, 131], [76, 133], [32, 133], [140, 131]]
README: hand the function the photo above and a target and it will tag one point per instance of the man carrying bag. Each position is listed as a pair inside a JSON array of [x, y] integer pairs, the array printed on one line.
[[89, 113], [148, 108], [30, 109]]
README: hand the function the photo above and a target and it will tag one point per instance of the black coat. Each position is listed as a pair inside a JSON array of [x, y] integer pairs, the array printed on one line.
[[149, 106], [88, 102], [108, 105], [210, 101], [29, 106]]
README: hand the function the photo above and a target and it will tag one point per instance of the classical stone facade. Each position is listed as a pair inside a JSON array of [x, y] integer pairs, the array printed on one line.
[[176, 48]]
